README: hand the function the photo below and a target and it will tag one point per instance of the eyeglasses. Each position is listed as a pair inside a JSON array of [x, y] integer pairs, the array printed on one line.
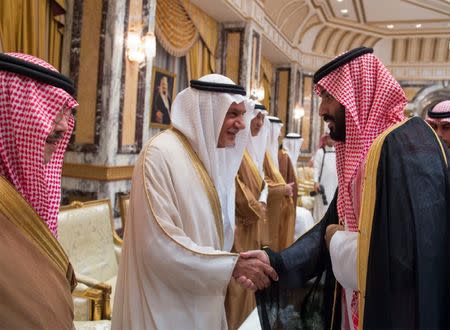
[[65, 113]]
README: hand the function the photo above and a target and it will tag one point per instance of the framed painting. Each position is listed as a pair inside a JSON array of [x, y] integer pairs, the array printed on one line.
[[163, 93]]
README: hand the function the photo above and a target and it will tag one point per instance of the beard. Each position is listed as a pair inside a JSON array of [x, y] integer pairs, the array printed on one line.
[[337, 131]]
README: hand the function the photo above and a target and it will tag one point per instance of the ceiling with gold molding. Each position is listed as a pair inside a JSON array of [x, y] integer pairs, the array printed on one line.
[[412, 32], [418, 31]]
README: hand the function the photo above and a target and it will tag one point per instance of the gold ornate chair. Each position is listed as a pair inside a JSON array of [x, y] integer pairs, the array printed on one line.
[[124, 202], [86, 232]]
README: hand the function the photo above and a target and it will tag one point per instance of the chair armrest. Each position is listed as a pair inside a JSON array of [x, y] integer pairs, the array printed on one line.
[[105, 290], [117, 240], [95, 296]]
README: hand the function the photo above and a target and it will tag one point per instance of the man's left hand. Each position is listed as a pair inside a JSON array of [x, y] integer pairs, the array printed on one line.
[[330, 231]]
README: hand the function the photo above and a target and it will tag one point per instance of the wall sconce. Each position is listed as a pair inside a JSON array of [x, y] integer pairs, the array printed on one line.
[[140, 47], [258, 93], [299, 111]]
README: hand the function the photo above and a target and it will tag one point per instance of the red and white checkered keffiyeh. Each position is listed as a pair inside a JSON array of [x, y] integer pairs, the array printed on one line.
[[441, 107], [27, 113], [373, 102]]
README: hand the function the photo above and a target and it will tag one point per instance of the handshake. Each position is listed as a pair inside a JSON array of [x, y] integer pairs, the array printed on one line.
[[253, 270]]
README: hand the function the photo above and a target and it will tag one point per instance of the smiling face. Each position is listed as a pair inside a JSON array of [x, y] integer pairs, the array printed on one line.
[[232, 124], [60, 126], [334, 114]]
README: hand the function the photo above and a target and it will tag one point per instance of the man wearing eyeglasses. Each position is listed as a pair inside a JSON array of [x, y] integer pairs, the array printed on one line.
[[36, 277]]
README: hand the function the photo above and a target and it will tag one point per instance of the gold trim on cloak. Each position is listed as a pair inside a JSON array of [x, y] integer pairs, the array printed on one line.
[[208, 184], [275, 171], [257, 176], [253, 168], [17, 210], [367, 212]]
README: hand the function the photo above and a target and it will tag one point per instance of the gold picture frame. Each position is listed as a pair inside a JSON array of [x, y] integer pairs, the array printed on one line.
[[163, 93]]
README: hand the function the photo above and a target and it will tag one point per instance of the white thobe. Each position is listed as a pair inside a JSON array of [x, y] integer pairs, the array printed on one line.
[[343, 253], [303, 221], [328, 179], [172, 273]]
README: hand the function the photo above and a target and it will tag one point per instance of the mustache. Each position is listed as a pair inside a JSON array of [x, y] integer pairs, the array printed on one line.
[[54, 137]]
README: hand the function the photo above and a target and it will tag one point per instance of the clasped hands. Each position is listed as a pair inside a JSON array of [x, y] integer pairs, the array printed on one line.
[[253, 270]]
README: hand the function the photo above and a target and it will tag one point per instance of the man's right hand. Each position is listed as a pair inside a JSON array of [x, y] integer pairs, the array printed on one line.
[[252, 270], [289, 189]]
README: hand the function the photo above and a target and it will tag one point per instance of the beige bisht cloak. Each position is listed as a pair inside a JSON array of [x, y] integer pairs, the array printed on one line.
[[173, 274], [281, 212], [249, 220], [36, 277], [287, 171]]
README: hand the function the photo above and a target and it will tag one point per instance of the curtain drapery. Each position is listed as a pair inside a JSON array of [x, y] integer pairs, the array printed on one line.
[[185, 30], [200, 61], [174, 28], [33, 27]]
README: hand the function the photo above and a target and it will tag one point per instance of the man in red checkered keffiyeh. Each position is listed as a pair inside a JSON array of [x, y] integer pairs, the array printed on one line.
[[35, 126], [387, 228], [370, 99], [439, 118]]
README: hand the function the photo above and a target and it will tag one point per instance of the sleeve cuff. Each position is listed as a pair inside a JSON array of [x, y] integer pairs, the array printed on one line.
[[275, 261], [264, 193]]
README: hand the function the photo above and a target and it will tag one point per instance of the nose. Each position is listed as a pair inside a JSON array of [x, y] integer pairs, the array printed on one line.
[[62, 125], [239, 123], [322, 109]]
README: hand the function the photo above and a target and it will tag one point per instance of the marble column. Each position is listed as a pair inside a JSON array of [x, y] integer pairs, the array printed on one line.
[[99, 162]]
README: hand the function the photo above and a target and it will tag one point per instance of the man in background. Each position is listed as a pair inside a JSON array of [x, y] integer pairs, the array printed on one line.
[[325, 176], [280, 206], [439, 118], [251, 215], [287, 160]]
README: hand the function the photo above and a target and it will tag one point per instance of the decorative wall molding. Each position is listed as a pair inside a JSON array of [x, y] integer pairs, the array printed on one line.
[[312, 62], [253, 10], [97, 172], [420, 72]]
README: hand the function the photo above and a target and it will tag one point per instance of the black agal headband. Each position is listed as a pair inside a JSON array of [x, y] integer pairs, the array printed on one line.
[[274, 119], [260, 107], [217, 87], [36, 72], [438, 115], [340, 61]]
